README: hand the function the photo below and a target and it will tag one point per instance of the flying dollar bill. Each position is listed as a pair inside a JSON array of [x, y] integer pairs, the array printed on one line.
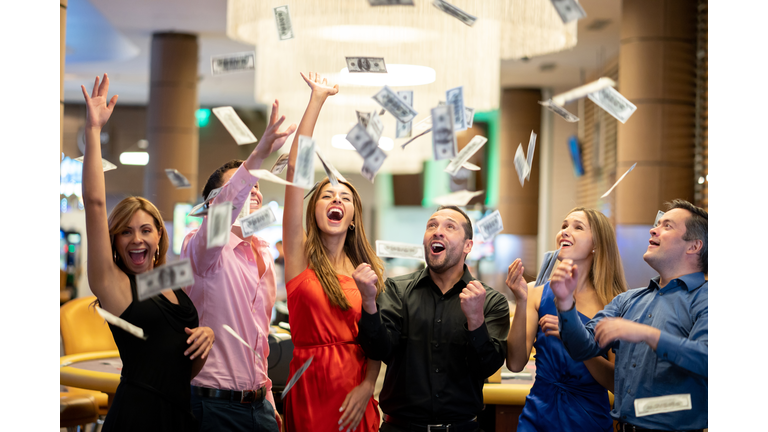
[[178, 179], [219, 223], [582, 91], [372, 155], [304, 175], [521, 165], [390, 2], [121, 323], [296, 377], [237, 336], [283, 20], [613, 103], [334, 176], [470, 166], [372, 164], [280, 164], [105, 164], [470, 149], [234, 125], [455, 97], [417, 136], [366, 65], [363, 117], [403, 130], [235, 62], [619, 180], [569, 10], [168, 276], [470, 115], [490, 225], [388, 99], [658, 216], [459, 199], [443, 136], [257, 221], [455, 12], [390, 249], [562, 112], [375, 127], [547, 266], [529, 154]]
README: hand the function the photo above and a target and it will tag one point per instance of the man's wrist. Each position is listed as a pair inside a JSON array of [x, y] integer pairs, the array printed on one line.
[[475, 323], [369, 306]]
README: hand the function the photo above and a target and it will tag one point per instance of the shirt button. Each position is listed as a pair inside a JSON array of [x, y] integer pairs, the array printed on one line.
[[661, 293], [634, 364], [629, 391], [439, 320], [649, 315], [437, 395], [437, 370], [437, 345]]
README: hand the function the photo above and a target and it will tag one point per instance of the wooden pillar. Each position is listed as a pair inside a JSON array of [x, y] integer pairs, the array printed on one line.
[[657, 72], [62, 55], [518, 205], [171, 124]]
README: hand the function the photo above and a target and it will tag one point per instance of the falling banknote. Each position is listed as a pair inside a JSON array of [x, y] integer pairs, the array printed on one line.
[[443, 136], [283, 20], [372, 155], [121, 323], [366, 65], [219, 223], [280, 164], [403, 130], [178, 180], [455, 12], [614, 103], [562, 112], [569, 10], [257, 221], [467, 152], [388, 99], [168, 276], [390, 249], [455, 98], [235, 62], [296, 376], [490, 225], [105, 164], [619, 180], [521, 165], [304, 175], [234, 125]]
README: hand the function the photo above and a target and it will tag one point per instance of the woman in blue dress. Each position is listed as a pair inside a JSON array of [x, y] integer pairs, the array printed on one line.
[[567, 395]]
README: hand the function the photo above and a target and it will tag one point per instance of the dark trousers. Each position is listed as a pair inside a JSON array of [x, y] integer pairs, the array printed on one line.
[[229, 415], [387, 427]]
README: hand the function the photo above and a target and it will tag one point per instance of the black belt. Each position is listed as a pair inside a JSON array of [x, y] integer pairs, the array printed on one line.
[[626, 427], [245, 396], [467, 426]]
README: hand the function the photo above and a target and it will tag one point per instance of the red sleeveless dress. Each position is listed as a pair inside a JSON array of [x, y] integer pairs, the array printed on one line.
[[339, 365]]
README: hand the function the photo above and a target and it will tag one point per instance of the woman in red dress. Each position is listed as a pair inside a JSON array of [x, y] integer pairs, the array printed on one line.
[[336, 391]]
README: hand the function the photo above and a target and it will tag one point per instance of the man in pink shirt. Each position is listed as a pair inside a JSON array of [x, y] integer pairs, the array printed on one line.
[[235, 285]]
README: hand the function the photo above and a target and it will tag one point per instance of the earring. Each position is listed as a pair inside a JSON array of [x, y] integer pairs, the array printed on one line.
[[593, 251], [157, 255], [351, 227], [114, 255]]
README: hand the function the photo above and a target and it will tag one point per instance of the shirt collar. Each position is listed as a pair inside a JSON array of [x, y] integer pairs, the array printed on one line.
[[690, 281], [466, 277]]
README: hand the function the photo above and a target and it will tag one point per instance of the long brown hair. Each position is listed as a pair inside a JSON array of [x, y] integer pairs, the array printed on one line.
[[120, 217], [356, 248], [607, 272]]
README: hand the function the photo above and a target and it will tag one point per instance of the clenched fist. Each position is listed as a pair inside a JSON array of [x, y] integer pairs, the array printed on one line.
[[366, 279], [472, 303]]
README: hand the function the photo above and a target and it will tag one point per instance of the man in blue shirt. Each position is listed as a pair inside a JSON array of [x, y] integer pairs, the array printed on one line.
[[659, 333]]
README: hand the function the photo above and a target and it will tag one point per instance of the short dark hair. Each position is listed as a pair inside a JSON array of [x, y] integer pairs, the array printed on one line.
[[468, 232], [695, 227], [215, 180]]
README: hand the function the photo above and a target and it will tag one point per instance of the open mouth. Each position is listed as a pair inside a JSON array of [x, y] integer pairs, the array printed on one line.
[[335, 214], [653, 242], [138, 256], [437, 247], [565, 244]]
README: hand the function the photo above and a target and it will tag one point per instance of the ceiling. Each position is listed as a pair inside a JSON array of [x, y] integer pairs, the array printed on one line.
[[114, 36]]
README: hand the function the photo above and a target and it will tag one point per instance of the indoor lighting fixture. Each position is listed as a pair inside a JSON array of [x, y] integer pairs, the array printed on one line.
[[397, 75], [134, 158], [340, 142]]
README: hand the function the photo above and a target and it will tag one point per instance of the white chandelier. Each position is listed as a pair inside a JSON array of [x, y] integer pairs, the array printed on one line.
[[425, 50]]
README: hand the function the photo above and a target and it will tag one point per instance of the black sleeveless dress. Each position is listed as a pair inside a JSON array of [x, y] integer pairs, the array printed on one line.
[[154, 392]]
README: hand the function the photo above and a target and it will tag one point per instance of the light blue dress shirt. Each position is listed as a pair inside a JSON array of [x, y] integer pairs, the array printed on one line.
[[679, 365]]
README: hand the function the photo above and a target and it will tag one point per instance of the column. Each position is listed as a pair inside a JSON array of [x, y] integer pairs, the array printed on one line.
[[657, 73], [171, 125]]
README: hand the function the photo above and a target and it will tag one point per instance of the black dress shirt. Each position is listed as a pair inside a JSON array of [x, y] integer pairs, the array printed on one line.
[[436, 367]]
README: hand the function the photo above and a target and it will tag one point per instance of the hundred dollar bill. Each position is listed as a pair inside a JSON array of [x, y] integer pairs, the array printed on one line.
[[219, 223], [390, 2], [280, 164], [470, 149], [234, 125], [296, 377], [105, 164], [235, 62], [178, 180], [388, 99], [662, 404], [619, 180], [372, 155], [443, 135], [399, 250], [547, 266], [121, 323], [363, 117], [237, 336], [283, 20], [372, 164], [470, 166], [455, 12], [168, 276], [470, 116], [455, 97], [333, 175], [562, 112], [375, 127], [304, 175], [202, 208], [521, 165], [257, 221], [417, 136], [614, 103], [529, 154], [582, 91], [403, 130], [426, 122], [366, 64], [658, 216], [459, 199], [490, 225], [569, 10]]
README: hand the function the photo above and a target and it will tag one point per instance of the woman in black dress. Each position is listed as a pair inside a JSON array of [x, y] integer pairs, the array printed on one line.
[[154, 389]]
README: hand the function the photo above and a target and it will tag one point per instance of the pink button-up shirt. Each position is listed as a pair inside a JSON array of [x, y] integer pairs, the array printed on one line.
[[228, 290]]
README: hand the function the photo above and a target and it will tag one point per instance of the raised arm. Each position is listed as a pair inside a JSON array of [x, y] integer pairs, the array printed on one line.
[[293, 231], [105, 279], [381, 319], [522, 332]]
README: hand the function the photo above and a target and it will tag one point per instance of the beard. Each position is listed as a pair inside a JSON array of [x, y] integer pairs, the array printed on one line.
[[445, 262]]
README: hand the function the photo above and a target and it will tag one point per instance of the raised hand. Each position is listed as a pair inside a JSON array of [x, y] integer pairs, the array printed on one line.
[[516, 281], [203, 339], [472, 304], [273, 139], [97, 110], [549, 325], [366, 279], [563, 283], [319, 88]]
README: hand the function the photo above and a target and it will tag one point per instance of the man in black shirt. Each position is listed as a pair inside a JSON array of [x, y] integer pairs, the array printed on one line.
[[440, 332]]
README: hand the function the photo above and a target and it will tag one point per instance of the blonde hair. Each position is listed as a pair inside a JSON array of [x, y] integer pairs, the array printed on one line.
[[607, 272], [356, 248], [120, 218]]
